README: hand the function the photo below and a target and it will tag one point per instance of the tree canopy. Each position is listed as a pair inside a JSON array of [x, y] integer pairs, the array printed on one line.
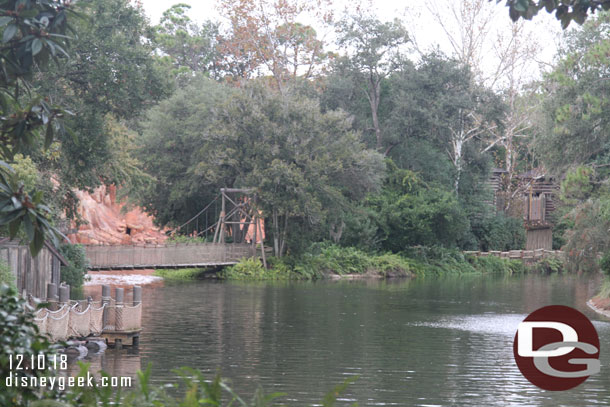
[[565, 11]]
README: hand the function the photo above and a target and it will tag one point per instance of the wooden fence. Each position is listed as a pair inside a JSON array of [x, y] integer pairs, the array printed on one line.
[[166, 256], [32, 274], [525, 255]]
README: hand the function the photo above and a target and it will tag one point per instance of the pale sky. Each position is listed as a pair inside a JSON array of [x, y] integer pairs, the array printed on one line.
[[417, 19]]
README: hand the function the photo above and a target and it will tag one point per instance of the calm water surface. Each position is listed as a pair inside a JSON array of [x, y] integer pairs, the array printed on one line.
[[427, 342]]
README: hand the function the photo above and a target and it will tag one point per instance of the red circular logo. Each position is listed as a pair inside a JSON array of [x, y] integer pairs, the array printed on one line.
[[556, 348]]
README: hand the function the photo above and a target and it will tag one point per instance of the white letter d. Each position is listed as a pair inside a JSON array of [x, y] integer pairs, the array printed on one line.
[[526, 338]]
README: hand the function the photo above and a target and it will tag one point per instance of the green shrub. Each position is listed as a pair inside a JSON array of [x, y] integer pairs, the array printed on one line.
[[252, 269], [493, 264], [500, 232], [549, 265], [74, 273], [604, 263], [188, 239], [392, 265], [19, 335], [6, 275], [180, 274]]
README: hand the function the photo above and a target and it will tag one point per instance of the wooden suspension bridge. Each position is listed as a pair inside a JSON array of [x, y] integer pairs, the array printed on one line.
[[237, 232]]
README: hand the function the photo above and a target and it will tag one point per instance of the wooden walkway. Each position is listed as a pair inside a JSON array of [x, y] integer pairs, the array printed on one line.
[[525, 255], [180, 255]]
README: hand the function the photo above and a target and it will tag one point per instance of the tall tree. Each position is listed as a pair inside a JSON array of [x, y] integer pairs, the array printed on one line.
[[565, 10], [191, 47], [33, 33], [112, 73], [576, 129], [306, 166], [266, 37], [373, 52]]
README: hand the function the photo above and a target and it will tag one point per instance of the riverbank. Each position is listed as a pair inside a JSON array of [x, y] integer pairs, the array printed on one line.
[[601, 302], [335, 262]]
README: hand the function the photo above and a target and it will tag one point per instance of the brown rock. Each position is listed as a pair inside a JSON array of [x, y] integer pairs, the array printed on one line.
[[105, 224]]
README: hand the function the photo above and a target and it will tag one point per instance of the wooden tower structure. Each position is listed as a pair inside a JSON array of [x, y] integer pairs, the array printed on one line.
[[539, 206]]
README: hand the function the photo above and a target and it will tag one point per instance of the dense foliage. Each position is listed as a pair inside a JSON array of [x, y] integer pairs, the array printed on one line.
[[565, 10], [33, 33], [18, 336], [73, 274], [574, 141], [322, 261]]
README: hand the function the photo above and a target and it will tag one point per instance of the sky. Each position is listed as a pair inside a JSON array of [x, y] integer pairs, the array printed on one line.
[[419, 22]]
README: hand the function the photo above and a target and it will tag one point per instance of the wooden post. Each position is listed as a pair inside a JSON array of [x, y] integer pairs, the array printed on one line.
[[137, 295], [221, 238], [64, 294], [262, 242], [106, 301], [119, 295], [253, 221], [52, 296]]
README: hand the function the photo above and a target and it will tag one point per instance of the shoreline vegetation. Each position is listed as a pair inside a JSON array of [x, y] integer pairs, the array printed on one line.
[[327, 261]]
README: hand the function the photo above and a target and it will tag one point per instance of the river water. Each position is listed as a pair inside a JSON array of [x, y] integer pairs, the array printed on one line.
[[425, 342]]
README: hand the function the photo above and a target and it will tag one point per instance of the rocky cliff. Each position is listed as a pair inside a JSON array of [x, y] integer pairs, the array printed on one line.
[[107, 223]]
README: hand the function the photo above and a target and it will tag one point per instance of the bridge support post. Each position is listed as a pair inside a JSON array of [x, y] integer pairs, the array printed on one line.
[[137, 295], [105, 301], [52, 296], [118, 319], [119, 295], [64, 295]]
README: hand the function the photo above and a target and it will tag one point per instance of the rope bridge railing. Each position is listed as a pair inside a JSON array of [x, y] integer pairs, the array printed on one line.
[[64, 319]]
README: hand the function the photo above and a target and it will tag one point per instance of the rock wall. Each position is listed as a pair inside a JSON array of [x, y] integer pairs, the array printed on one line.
[[106, 224]]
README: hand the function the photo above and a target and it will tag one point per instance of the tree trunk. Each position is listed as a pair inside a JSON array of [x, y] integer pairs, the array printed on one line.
[[276, 234], [374, 94]]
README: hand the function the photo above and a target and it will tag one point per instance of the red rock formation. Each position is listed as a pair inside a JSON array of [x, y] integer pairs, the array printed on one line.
[[106, 224]]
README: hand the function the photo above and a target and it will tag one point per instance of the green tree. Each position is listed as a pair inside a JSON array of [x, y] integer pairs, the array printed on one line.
[[373, 51], [307, 167], [112, 71], [576, 127], [411, 212], [191, 47], [32, 34], [565, 10]]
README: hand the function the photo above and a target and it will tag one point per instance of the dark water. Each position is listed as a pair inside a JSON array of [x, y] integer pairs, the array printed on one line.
[[428, 342]]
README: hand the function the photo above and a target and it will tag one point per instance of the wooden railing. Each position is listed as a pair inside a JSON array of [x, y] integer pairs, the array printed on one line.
[[520, 254], [166, 256]]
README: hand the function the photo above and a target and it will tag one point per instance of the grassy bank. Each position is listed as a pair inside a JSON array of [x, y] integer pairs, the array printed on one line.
[[327, 261], [180, 274]]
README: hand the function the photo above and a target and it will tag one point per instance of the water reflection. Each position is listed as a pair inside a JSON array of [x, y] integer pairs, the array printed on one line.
[[424, 342]]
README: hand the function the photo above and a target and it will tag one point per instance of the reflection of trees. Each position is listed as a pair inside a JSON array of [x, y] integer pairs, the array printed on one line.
[[124, 363], [305, 338]]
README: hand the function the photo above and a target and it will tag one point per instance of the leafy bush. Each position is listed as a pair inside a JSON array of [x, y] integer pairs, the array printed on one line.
[[188, 239], [410, 211], [18, 335], [493, 264], [252, 269], [549, 265], [500, 232], [589, 236], [74, 273], [6, 275], [180, 274], [392, 265]]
